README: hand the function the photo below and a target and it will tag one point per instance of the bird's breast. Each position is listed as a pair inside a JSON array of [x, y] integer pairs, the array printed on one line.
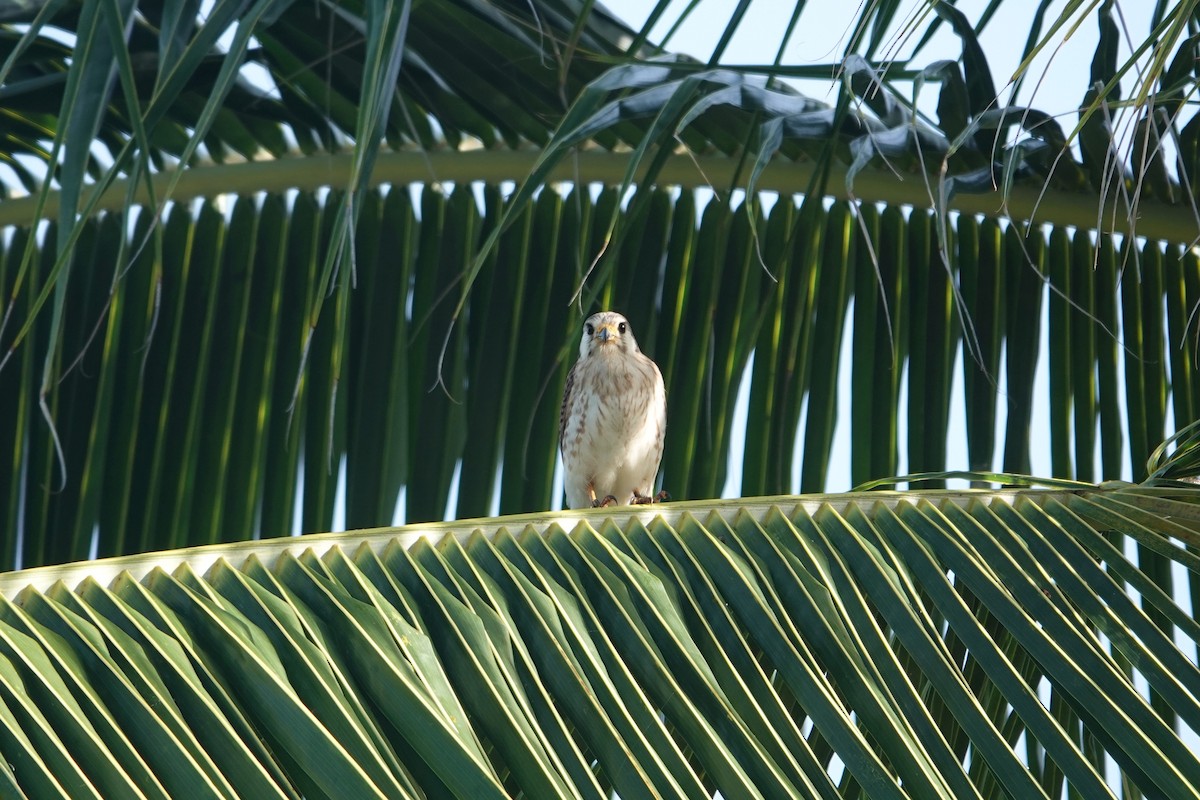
[[613, 399]]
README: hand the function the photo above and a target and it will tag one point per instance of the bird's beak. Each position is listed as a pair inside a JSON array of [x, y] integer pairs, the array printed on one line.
[[605, 332]]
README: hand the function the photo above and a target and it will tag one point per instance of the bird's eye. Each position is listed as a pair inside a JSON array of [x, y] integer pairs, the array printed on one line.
[[589, 330], [621, 327]]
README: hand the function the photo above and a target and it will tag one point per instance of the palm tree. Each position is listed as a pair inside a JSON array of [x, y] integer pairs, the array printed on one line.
[[267, 242]]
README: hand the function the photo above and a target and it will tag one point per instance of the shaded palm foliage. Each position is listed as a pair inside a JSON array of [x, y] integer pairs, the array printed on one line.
[[172, 368]]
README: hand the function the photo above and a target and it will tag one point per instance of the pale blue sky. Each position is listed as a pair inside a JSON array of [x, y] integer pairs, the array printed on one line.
[[820, 38]]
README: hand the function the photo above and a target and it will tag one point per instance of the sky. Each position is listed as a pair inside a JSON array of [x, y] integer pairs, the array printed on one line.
[[824, 26]]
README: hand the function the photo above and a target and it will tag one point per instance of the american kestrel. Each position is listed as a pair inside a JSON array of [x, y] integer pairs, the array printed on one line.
[[613, 418]]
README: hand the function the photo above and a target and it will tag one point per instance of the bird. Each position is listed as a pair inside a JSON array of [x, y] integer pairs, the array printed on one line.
[[613, 419]]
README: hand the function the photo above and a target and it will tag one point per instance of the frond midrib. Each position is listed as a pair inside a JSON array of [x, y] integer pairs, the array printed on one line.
[[1045, 205], [201, 558]]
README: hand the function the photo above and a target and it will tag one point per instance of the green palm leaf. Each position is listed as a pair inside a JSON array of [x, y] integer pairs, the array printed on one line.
[[744, 647], [201, 344]]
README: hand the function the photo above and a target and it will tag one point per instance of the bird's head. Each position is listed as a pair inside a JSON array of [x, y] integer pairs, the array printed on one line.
[[606, 332]]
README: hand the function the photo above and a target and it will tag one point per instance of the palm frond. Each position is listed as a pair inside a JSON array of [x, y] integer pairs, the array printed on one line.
[[181, 421], [978, 644]]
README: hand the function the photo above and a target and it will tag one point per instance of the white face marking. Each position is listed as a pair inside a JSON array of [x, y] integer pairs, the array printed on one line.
[[604, 330]]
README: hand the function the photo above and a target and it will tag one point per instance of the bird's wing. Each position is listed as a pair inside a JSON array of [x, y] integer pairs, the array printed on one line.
[[662, 408], [566, 404]]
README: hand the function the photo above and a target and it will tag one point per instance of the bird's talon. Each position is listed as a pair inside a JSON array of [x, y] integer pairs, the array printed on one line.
[[641, 500], [661, 497], [609, 500]]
